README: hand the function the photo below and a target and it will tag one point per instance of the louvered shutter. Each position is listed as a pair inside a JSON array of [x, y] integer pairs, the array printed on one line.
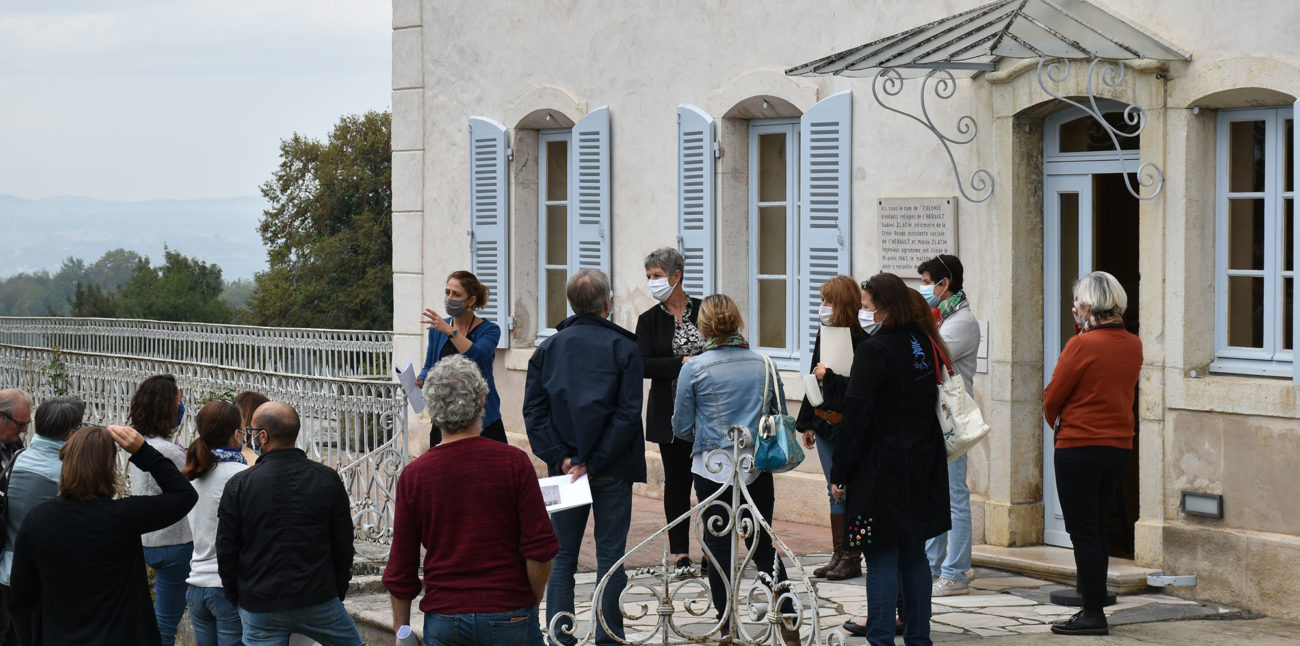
[[825, 176], [695, 198], [589, 194], [1295, 235], [488, 204]]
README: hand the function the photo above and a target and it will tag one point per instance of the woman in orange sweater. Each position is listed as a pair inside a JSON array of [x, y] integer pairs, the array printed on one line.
[[1090, 404]]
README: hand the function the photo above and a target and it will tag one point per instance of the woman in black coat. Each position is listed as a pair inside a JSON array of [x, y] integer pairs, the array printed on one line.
[[668, 338], [891, 464], [78, 562], [841, 304]]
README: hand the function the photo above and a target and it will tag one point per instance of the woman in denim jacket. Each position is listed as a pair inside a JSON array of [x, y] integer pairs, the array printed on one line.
[[720, 388]]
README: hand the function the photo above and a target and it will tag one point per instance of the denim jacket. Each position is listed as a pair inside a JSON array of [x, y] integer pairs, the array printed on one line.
[[719, 389]]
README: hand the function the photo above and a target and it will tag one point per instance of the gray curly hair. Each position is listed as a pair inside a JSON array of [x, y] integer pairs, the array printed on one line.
[[454, 393]]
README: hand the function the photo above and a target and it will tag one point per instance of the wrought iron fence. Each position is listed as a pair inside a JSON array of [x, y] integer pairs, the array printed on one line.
[[356, 426], [758, 606], [300, 351]]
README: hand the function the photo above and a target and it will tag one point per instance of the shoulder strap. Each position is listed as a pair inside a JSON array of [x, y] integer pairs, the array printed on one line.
[[942, 361]]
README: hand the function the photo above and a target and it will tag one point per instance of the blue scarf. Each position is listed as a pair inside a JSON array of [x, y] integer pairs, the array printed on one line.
[[228, 454]]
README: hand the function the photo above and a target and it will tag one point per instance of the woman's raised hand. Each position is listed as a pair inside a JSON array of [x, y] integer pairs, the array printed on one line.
[[127, 438], [433, 321]]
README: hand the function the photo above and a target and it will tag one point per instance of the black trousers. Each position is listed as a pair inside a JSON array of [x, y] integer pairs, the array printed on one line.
[[1087, 478], [765, 556], [17, 625], [676, 457], [494, 431]]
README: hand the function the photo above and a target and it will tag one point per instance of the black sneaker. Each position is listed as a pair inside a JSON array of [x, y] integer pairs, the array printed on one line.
[[1082, 624]]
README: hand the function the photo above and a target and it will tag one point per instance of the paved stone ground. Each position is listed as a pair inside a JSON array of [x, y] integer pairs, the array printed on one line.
[[1001, 606]]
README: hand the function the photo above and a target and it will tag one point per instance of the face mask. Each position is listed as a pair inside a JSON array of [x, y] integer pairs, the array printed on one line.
[[660, 289], [868, 321], [824, 313], [255, 444], [180, 414], [930, 297], [454, 306]]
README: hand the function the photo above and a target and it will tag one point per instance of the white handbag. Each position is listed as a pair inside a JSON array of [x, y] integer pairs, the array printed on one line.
[[959, 417]]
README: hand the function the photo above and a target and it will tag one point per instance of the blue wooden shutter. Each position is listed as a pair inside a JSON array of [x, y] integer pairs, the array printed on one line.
[[488, 203], [589, 194], [695, 199], [825, 206], [1295, 234]]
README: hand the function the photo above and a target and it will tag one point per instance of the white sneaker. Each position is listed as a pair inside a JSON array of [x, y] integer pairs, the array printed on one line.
[[948, 588]]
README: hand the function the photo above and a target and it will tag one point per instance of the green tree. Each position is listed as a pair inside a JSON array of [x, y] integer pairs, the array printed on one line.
[[182, 289], [113, 269], [328, 231], [94, 301]]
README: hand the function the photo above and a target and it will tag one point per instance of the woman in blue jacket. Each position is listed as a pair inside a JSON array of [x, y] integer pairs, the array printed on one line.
[[463, 332]]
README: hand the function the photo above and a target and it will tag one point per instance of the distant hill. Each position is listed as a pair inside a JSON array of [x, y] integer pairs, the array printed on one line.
[[39, 234]]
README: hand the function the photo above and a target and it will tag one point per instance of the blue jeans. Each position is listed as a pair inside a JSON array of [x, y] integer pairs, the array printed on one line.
[[949, 553], [215, 620], [171, 565], [826, 455], [516, 627], [611, 504], [888, 567], [328, 623]]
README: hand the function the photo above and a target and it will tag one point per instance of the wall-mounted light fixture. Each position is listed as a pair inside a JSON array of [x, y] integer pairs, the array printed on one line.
[[1208, 505]]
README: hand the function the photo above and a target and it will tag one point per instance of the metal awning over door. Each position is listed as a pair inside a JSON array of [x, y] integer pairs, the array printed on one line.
[[971, 42]]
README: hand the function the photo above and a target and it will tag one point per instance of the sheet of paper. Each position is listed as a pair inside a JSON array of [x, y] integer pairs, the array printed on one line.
[[560, 494], [837, 349], [406, 377]]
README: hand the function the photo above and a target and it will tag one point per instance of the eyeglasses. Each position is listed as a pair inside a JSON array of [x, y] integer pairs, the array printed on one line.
[[253, 429], [16, 422]]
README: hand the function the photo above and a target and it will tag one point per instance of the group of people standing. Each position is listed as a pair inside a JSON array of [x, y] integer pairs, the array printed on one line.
[[255, 554], [894, 499]]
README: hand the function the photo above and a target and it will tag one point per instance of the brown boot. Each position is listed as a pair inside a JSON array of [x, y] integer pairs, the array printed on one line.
[[850, 566], [837, 539]]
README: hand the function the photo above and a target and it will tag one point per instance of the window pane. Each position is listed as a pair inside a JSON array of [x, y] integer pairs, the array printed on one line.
[[1246, 234], [1288, 165], [771, 240], [1246, 311], [1069, 261], [557, 170], [1288, 238], [1288, 312], [557, 234], [556, 305], [771, 313], [1086, 135], [1246, 156], [771, 167]]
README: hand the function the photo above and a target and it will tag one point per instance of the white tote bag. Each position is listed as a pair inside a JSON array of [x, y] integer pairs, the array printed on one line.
[[959, 417]]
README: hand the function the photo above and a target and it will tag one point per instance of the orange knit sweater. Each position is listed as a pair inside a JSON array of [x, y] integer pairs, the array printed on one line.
[[1092, 389]]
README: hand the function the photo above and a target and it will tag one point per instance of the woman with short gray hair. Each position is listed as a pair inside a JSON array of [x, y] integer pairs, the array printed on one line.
[[1090, 404], [668, 336], [475, 506]]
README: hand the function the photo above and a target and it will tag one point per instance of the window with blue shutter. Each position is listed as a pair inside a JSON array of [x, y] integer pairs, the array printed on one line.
[[489, 233], [695, 199], [589, 181], [825, 206]]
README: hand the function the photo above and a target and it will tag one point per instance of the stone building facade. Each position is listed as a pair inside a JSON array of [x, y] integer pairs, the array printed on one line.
[[577, 115]]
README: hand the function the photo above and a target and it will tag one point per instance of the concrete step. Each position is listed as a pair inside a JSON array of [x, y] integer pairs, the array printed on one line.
[[1057, 564]]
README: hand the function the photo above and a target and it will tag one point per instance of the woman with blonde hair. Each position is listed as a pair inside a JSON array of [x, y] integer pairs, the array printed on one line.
[[721, 388], [841, 304]]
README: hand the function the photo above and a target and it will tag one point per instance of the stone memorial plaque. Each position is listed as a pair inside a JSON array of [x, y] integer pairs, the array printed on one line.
[[915, 229]]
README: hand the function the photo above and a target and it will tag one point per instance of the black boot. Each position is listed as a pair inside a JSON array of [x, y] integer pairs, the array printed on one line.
[[1084, 622]]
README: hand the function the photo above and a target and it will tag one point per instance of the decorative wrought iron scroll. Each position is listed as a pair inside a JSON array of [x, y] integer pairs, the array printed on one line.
[[752, 615], [891, 82], [1111, 74]]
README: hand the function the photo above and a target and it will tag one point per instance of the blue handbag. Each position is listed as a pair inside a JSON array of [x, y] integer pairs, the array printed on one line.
[[778, 447]]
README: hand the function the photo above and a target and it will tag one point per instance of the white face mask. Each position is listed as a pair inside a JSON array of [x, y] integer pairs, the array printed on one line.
[[868, 321], [824, 314], [660, 289]]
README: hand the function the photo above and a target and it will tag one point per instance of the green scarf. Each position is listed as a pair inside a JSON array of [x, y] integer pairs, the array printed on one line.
[[730, 341], [949, 305]]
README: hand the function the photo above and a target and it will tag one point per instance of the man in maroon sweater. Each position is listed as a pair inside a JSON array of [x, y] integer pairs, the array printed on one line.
[[475, 506]]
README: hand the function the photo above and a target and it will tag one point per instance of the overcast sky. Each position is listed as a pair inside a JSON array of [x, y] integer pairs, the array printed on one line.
[[148, 99]]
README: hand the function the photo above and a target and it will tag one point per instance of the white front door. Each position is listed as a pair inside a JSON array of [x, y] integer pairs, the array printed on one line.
[[1067, 254]]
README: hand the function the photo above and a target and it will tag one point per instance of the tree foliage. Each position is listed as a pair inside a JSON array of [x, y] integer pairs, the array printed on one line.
[[181, 289], [328, 230]]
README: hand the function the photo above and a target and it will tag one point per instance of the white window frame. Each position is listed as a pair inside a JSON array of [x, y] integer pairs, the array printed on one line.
[[1271, 360], [544, 137], [787, 356]]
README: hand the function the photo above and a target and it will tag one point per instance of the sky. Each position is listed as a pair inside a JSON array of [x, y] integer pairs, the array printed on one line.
[[145, 99]]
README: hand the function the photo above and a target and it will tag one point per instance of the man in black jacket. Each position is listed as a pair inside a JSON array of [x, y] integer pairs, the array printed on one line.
[[284, 539], [582, 408]]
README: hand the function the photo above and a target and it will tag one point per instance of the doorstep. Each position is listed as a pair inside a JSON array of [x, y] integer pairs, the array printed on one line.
[[1057, 564]]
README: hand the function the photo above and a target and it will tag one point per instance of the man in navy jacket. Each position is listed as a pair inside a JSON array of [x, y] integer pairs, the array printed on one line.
[[582, 408]]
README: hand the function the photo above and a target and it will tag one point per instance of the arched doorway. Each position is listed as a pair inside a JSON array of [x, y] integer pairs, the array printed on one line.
[[1090, 223]]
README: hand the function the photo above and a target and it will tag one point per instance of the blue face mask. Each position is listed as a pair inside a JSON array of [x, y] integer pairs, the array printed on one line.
[[931, 298], [180, 414], [255, 445]]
